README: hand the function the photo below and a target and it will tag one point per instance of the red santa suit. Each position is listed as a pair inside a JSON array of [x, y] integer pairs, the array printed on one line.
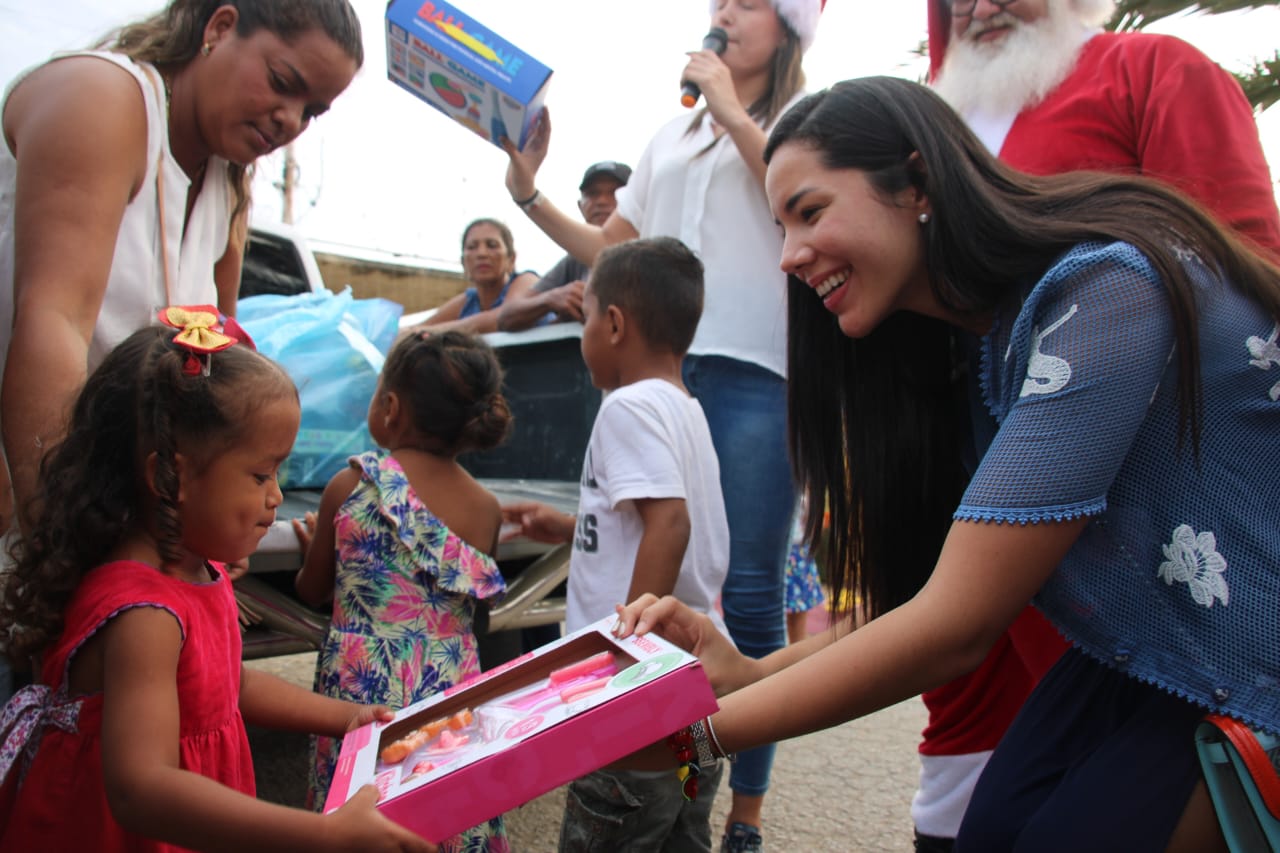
[[968, 716], [1152, 105]]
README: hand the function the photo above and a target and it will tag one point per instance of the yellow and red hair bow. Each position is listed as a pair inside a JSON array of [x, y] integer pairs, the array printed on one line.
[[202, 331]]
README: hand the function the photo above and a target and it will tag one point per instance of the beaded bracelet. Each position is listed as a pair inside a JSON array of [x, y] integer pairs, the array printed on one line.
[[681, 744], [697, 749]]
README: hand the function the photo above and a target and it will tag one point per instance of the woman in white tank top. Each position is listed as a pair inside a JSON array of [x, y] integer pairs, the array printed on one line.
[[122, 184], [123, 189]]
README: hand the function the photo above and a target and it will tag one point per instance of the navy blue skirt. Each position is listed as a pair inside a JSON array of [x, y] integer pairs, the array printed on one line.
[[1095, 761]]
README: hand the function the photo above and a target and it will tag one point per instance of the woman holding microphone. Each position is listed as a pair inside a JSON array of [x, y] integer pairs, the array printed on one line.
[[701, 180]]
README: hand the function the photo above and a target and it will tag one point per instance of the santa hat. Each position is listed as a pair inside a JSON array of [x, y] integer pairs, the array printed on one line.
[[1092, 13], [800, 15]]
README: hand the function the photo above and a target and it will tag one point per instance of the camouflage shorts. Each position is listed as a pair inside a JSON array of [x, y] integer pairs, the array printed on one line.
[[634, 812]]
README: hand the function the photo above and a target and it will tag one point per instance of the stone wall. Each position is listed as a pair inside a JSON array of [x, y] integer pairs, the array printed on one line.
[[416, 288]]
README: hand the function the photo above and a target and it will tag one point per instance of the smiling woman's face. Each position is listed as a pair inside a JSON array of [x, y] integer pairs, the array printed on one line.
[[859, 252]]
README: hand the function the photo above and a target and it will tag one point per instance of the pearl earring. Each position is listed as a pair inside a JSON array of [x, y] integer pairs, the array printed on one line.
[[924, 218], [206, 49]]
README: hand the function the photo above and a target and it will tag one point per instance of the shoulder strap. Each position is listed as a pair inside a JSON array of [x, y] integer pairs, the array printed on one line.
[[162, 97], [1261, 766]]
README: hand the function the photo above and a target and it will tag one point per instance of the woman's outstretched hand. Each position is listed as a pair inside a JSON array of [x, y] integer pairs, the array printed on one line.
[[537, 521], [674, 621], [522, 170]]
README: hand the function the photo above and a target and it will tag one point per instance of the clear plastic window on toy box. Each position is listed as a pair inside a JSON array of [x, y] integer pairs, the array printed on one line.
[[506, 705]]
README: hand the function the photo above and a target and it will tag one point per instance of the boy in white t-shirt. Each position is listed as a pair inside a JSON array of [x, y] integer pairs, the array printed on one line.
[[650, 516]]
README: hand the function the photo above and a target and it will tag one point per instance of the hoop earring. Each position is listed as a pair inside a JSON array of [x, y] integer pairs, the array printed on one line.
[[924, 218], [206, 48]]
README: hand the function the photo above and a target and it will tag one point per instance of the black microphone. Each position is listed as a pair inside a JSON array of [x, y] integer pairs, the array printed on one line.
[[716, 40]]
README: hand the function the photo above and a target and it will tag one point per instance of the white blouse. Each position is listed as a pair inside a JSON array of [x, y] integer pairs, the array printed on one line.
[[716, 206]]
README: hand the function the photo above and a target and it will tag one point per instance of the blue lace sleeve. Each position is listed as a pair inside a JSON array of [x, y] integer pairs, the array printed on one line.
[[1070, 382]]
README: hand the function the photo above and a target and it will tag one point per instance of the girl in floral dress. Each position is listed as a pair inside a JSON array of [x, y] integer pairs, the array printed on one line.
[[803, 580], [403, 543]]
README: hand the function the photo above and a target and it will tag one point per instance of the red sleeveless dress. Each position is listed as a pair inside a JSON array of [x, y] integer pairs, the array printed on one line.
[[60, 803]]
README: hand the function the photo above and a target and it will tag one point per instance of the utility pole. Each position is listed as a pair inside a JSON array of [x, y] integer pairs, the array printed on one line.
[[288, 181]]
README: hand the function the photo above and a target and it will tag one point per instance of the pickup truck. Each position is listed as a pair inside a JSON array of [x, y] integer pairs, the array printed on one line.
[[553, 403]]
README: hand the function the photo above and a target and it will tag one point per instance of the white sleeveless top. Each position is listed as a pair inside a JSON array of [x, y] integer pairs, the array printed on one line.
[[136, 283]]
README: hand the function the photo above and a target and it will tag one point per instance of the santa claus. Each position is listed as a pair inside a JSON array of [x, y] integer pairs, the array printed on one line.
[[1049, 91]]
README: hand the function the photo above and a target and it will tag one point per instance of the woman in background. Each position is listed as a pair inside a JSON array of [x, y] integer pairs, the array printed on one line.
[[701, 180], [489, 264]]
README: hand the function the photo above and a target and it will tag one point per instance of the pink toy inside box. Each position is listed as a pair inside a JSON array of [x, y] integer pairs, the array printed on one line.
[[455, 760]]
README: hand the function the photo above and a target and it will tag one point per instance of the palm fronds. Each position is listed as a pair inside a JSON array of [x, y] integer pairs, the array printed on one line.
[[1261, 83]]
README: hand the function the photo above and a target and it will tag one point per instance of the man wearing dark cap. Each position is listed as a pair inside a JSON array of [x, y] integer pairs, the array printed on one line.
[[558, 296]]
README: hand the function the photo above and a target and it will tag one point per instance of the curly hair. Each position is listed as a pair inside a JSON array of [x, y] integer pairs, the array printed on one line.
[[93, 488], [451, 383]]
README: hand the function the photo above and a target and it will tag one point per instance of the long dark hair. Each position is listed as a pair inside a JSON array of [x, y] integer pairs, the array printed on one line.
[[92, 493], [886, 461], [172, 37]]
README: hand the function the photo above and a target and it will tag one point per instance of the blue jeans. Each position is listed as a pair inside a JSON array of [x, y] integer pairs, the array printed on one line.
[[746, 408]]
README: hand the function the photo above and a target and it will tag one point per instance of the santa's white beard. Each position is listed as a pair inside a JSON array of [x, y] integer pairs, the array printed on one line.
[[1015, 72]]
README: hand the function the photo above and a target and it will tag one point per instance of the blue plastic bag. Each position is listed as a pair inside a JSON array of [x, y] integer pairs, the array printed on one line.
[[326, 343]]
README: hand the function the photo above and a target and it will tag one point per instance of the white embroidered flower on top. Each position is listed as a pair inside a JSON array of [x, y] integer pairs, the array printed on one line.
[[1047, 373], [1193, 559], [1266, 353]]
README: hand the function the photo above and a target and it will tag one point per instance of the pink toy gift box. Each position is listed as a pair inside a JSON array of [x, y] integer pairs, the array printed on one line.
[[455, 760]]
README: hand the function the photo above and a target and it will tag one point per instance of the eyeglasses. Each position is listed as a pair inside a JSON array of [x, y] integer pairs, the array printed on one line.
[[964, 8]]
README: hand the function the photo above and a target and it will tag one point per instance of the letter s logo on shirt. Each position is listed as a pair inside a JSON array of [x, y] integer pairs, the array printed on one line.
[[585, 538], [1047, 373]]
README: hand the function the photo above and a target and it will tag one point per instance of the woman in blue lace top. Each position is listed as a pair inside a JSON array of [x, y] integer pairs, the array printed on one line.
[[1007, 388]]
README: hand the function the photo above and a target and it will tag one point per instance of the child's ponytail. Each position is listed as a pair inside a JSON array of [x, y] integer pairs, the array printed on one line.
[[491, 426], [452, 383], [162, 396]]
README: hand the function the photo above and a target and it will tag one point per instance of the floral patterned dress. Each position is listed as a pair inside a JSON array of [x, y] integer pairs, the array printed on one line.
[[803, 581], [406, 589]]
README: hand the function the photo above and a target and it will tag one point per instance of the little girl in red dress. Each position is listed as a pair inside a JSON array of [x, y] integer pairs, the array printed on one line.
[[133, 737]]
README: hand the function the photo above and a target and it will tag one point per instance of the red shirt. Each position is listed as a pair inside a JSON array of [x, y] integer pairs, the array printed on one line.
[[61, 804]]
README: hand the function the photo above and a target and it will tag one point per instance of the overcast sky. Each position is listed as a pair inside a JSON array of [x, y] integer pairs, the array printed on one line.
[[385, 171]]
